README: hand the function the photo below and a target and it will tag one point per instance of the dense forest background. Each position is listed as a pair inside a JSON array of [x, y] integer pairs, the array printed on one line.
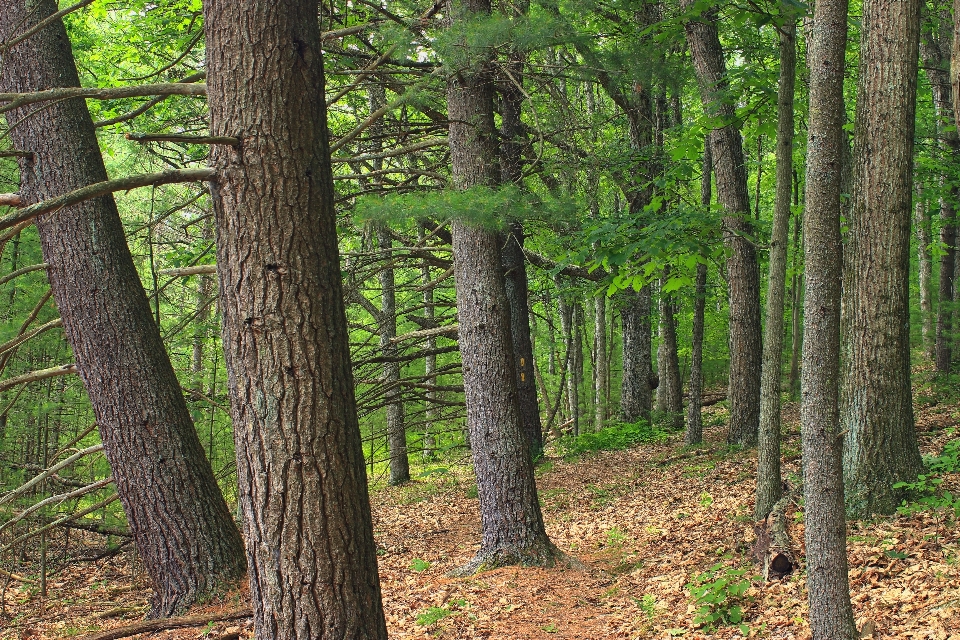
[[606, 206]]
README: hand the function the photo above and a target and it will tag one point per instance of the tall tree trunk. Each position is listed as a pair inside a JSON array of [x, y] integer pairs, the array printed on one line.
[[601, 364], [881, 442], [396, 429], [794, 380], [636, 398], [828, 586], [513, 530], [568, 324], [303, 487], [694, 432], [769, 482], [188, 542], [429, 362], [921, 222], [670, 389], [743, 272], [937, 51]]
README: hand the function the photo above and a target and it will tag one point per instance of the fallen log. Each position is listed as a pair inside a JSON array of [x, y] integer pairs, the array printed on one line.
[[774, 547], [152, 626]]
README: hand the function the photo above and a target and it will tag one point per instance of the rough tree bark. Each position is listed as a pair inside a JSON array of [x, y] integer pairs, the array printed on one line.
[[511, 520], [636, 398], [921, 223], [694, 431], [303, 487], [188, 542], [769, 482], [936, 49], [743, 272], [793, 382], [828, 586], [670, 388], [881, 442]]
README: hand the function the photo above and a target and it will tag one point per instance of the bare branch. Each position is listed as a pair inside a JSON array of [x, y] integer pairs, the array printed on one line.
[[19, 272], [103, 188], [49, 472], [198, 270], [23, 337], [449, 331], [146, 106], [149, 626], [17, 100], [33, 376], [58, 499], [173, 137], [9, 199], [6, 46], [570, 270]]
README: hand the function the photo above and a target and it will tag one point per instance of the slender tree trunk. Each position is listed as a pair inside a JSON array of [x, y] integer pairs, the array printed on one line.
[[670, 389], [694, 432], [568, 312], [881, 442], [303, 487], [601, 365], [937, 51], [743, 272], [794, 380], [396, 429], [202, 330], [513, 530], [429, 365], [828, 586], [921, 221], [188, 542], [769, 482]]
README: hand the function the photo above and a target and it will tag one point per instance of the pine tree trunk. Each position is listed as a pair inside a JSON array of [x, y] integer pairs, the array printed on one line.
[[512, 523], [670, 389], [769, 482], [188, 542], [694, 432], [396, 429], [936, 49], [881, 442], [743, 272], [828, 586], [303, 487]]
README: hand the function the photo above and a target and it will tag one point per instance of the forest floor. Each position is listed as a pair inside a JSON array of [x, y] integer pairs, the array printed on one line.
[[646, 522]]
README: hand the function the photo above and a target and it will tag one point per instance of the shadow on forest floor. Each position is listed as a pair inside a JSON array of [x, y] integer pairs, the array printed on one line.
[[646, 521]]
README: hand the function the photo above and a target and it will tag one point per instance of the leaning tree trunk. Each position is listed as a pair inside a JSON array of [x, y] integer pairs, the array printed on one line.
[[769, 482], [936, 51], [670, 389], [881, 441], [743, 272], [512, 523], [828, 586], [188, 542], [303, 487]]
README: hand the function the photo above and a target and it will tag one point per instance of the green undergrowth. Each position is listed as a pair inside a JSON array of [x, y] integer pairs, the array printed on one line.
[[618, 436], [927, 492]]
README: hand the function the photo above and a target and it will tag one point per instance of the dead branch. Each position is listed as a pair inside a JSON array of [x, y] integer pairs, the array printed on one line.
[[146, 106], [17, 100], [774, 547], [449, 331], [175, 137], [46, 474], [15, 153], [198, 270], [33, 376], [58, 499], [424, 144], [6, 46], [19, 272], [102, 188], [9, 199], [152, 626], [419, 355], [60, 521], [570, 270]]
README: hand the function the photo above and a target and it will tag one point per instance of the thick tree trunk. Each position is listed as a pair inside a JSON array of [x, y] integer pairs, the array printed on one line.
[[303, 487], [828, 586], [513, 530], [936, 49], [743, 272], [636, 398], [188, 542], [396, 429], [670, 389], [694, 431], [881, 441], [769, 482]]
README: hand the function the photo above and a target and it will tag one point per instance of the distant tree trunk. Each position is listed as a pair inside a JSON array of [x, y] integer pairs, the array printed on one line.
[[201, 332], [396, 429], [769, 482], [794, 380], [513, 530], [921, 221], [303, 487], [568, 312], [601, 365], [188, 542], [828, 586], [429, 364], [635, 396], [743, 272], [694, 432], [514, 263], [670, 389], [881, 442], [937, 50]]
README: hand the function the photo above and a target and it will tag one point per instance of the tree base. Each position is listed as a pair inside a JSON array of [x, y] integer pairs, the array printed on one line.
[[544, 555]]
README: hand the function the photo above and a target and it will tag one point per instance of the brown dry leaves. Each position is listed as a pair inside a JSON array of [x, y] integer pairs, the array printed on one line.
[[644, 521]]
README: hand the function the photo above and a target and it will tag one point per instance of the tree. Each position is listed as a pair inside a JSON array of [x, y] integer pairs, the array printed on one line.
[[513, 530], [743, 272], [303, 487], [769, 487], [881, 443], [188, 542], [828, 586]]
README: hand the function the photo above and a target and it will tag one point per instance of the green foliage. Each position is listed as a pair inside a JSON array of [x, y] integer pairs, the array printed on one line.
[[621, 435], [432, 615], [720, 593], [927, 491], [419, 565]]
